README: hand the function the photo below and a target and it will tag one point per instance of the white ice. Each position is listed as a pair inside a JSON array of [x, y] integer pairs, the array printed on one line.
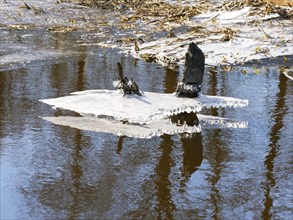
[[143, 109]]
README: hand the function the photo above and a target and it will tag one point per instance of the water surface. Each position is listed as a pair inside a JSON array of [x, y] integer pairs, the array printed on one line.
[[56, 172]]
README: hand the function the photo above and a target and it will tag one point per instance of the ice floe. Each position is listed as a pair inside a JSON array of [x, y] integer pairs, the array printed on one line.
[[143, 109]]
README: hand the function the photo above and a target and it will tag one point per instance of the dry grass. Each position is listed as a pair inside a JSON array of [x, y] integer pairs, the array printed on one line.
[[178, 13]]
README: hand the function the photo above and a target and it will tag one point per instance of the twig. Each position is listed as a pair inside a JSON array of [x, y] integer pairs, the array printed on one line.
[[268, 36]]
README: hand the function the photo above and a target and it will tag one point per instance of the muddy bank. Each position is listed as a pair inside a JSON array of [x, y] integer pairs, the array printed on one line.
[[229, 33]]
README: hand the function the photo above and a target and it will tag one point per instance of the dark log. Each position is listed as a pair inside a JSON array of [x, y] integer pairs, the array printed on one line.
[[190, 84], [127, 87], [120, 71]]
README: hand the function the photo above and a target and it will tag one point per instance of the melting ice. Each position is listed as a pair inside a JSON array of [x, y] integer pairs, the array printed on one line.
[[145, 116], [143, 109], [156, 128]]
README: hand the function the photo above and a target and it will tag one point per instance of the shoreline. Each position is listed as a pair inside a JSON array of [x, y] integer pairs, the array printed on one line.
[[231, 33]]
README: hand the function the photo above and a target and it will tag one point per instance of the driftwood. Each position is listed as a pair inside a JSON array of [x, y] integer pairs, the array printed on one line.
[[125, 85], [190, 84]]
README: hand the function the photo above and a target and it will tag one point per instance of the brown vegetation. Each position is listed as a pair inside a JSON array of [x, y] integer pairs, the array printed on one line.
[[171, 12]]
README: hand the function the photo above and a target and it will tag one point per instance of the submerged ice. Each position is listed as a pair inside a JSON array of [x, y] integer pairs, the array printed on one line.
[[156, 128]]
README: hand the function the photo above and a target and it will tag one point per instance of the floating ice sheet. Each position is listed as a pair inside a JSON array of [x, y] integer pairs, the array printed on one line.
[[28, 55], [143, 109], [157, 128]]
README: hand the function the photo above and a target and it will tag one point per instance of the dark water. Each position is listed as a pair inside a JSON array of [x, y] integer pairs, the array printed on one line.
[[56, 172]]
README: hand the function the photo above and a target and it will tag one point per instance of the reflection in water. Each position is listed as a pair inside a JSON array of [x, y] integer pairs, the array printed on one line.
[[170, 80], [76, 174], [120, 144], [5, 102], [165, 206], [18, 93], [212, 90], [81, 75], [217, 152], [218, 157], [189, 119], [59, 78], [279, 113], [192, 156], [56, 172], [65, 74], [76, 169]]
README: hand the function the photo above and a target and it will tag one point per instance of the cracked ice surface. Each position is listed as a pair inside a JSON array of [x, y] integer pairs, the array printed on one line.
[[143, 109]]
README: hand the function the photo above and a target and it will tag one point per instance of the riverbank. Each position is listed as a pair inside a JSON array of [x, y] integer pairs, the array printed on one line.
[[229, 33]]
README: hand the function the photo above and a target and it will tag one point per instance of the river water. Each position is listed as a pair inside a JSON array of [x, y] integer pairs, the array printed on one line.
[[56, 172]]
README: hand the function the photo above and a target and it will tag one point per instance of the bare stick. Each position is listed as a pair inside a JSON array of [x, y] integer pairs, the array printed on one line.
[[120, 71]]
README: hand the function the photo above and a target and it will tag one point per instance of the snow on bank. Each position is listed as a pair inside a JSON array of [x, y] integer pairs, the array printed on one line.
[[231, 37]]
